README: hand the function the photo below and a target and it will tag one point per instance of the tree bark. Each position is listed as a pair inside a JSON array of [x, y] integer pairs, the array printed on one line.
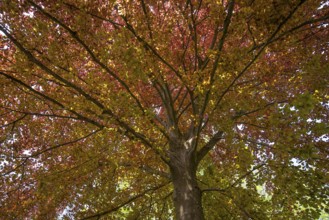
[[187, 195]]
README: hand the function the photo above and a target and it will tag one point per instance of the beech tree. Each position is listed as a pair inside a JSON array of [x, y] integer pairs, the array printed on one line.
[[117, 109]]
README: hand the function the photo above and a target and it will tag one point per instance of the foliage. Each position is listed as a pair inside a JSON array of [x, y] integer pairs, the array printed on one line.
[[98, 98]]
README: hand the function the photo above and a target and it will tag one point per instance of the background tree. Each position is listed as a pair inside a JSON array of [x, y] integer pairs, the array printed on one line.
[[153, 109]]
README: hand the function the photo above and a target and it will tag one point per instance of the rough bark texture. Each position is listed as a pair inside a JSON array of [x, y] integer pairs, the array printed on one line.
[[187, 195]]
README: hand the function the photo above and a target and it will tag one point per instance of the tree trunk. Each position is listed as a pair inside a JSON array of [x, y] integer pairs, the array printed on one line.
[[187, 195]]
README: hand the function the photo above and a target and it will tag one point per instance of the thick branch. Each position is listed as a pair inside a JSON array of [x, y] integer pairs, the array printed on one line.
[[121, 123], [237, 181], [227, 22], [95, 59], [208, 146], [147, 18], [16, 168], [63, 144], [98, 215], [311, 21], [50, 99], [241, 114], [14, 122], [154, 52], [250, 63], [40, 114], [92, 54], [193, 30], [34, 60], [116, 25]]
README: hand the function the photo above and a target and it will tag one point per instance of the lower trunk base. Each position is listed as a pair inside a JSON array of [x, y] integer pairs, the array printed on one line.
[[187, 195]]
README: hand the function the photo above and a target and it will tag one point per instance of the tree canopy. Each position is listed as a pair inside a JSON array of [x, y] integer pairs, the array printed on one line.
[[208, 109]]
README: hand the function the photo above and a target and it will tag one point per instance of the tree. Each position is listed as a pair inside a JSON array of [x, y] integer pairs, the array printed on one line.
[[154, 109]]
